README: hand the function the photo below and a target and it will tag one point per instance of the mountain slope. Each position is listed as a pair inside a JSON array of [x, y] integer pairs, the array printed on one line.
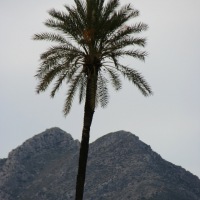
[[120, 166]]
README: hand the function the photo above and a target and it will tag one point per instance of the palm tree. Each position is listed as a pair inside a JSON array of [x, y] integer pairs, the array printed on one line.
[[90, 38]]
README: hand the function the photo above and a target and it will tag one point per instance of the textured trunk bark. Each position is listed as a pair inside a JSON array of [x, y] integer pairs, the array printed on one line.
[[84, 148]]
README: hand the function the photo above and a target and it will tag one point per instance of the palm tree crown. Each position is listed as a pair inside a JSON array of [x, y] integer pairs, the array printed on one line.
[[90, 38]]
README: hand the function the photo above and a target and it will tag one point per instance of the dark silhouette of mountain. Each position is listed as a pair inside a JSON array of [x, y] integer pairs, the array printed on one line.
[[120, 167]]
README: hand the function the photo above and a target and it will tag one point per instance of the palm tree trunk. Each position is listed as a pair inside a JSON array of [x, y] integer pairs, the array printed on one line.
[[88, 116]]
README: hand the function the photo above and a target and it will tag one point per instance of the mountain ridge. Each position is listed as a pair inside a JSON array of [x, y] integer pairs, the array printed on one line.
[[120, 166]]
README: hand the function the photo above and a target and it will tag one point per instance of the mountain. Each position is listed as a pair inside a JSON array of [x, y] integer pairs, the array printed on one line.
[[120, 167]]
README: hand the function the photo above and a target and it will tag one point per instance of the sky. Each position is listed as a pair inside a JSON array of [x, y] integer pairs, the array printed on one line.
[[168, 121]]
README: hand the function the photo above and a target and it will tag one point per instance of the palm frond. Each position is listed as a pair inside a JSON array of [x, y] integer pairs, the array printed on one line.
[[61, 50], [58, 83], [136, 78], [129, 42], [47, 78], [114, 77], [81, 8], [64, 24], [121, 44], [136, 54], [58, 56], [138, 27], [82, 88], [54, 24], [120, 53], [74, 68], [109, 9], [102, 90], [118, 19], [58, 15], [74, 83], [78, 21], [98, 9], [125, 31], [50, 37], [115, 22]]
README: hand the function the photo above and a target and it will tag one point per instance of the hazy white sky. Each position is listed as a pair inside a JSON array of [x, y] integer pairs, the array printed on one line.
[[169, 120]]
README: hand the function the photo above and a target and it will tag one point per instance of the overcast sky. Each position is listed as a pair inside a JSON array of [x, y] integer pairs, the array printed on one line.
[[169, 120]]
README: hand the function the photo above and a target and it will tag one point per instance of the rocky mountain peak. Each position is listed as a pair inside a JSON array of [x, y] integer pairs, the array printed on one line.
[[46, 140], [120, 166]]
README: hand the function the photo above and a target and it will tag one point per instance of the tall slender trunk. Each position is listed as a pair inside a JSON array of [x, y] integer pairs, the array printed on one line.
[[88, 116]]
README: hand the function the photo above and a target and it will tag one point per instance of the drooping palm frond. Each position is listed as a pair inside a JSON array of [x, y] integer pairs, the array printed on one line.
[[136, 78], [58, 83], [114, 78], [74, 83], [102, 90], [47, 78], [82, 88]]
